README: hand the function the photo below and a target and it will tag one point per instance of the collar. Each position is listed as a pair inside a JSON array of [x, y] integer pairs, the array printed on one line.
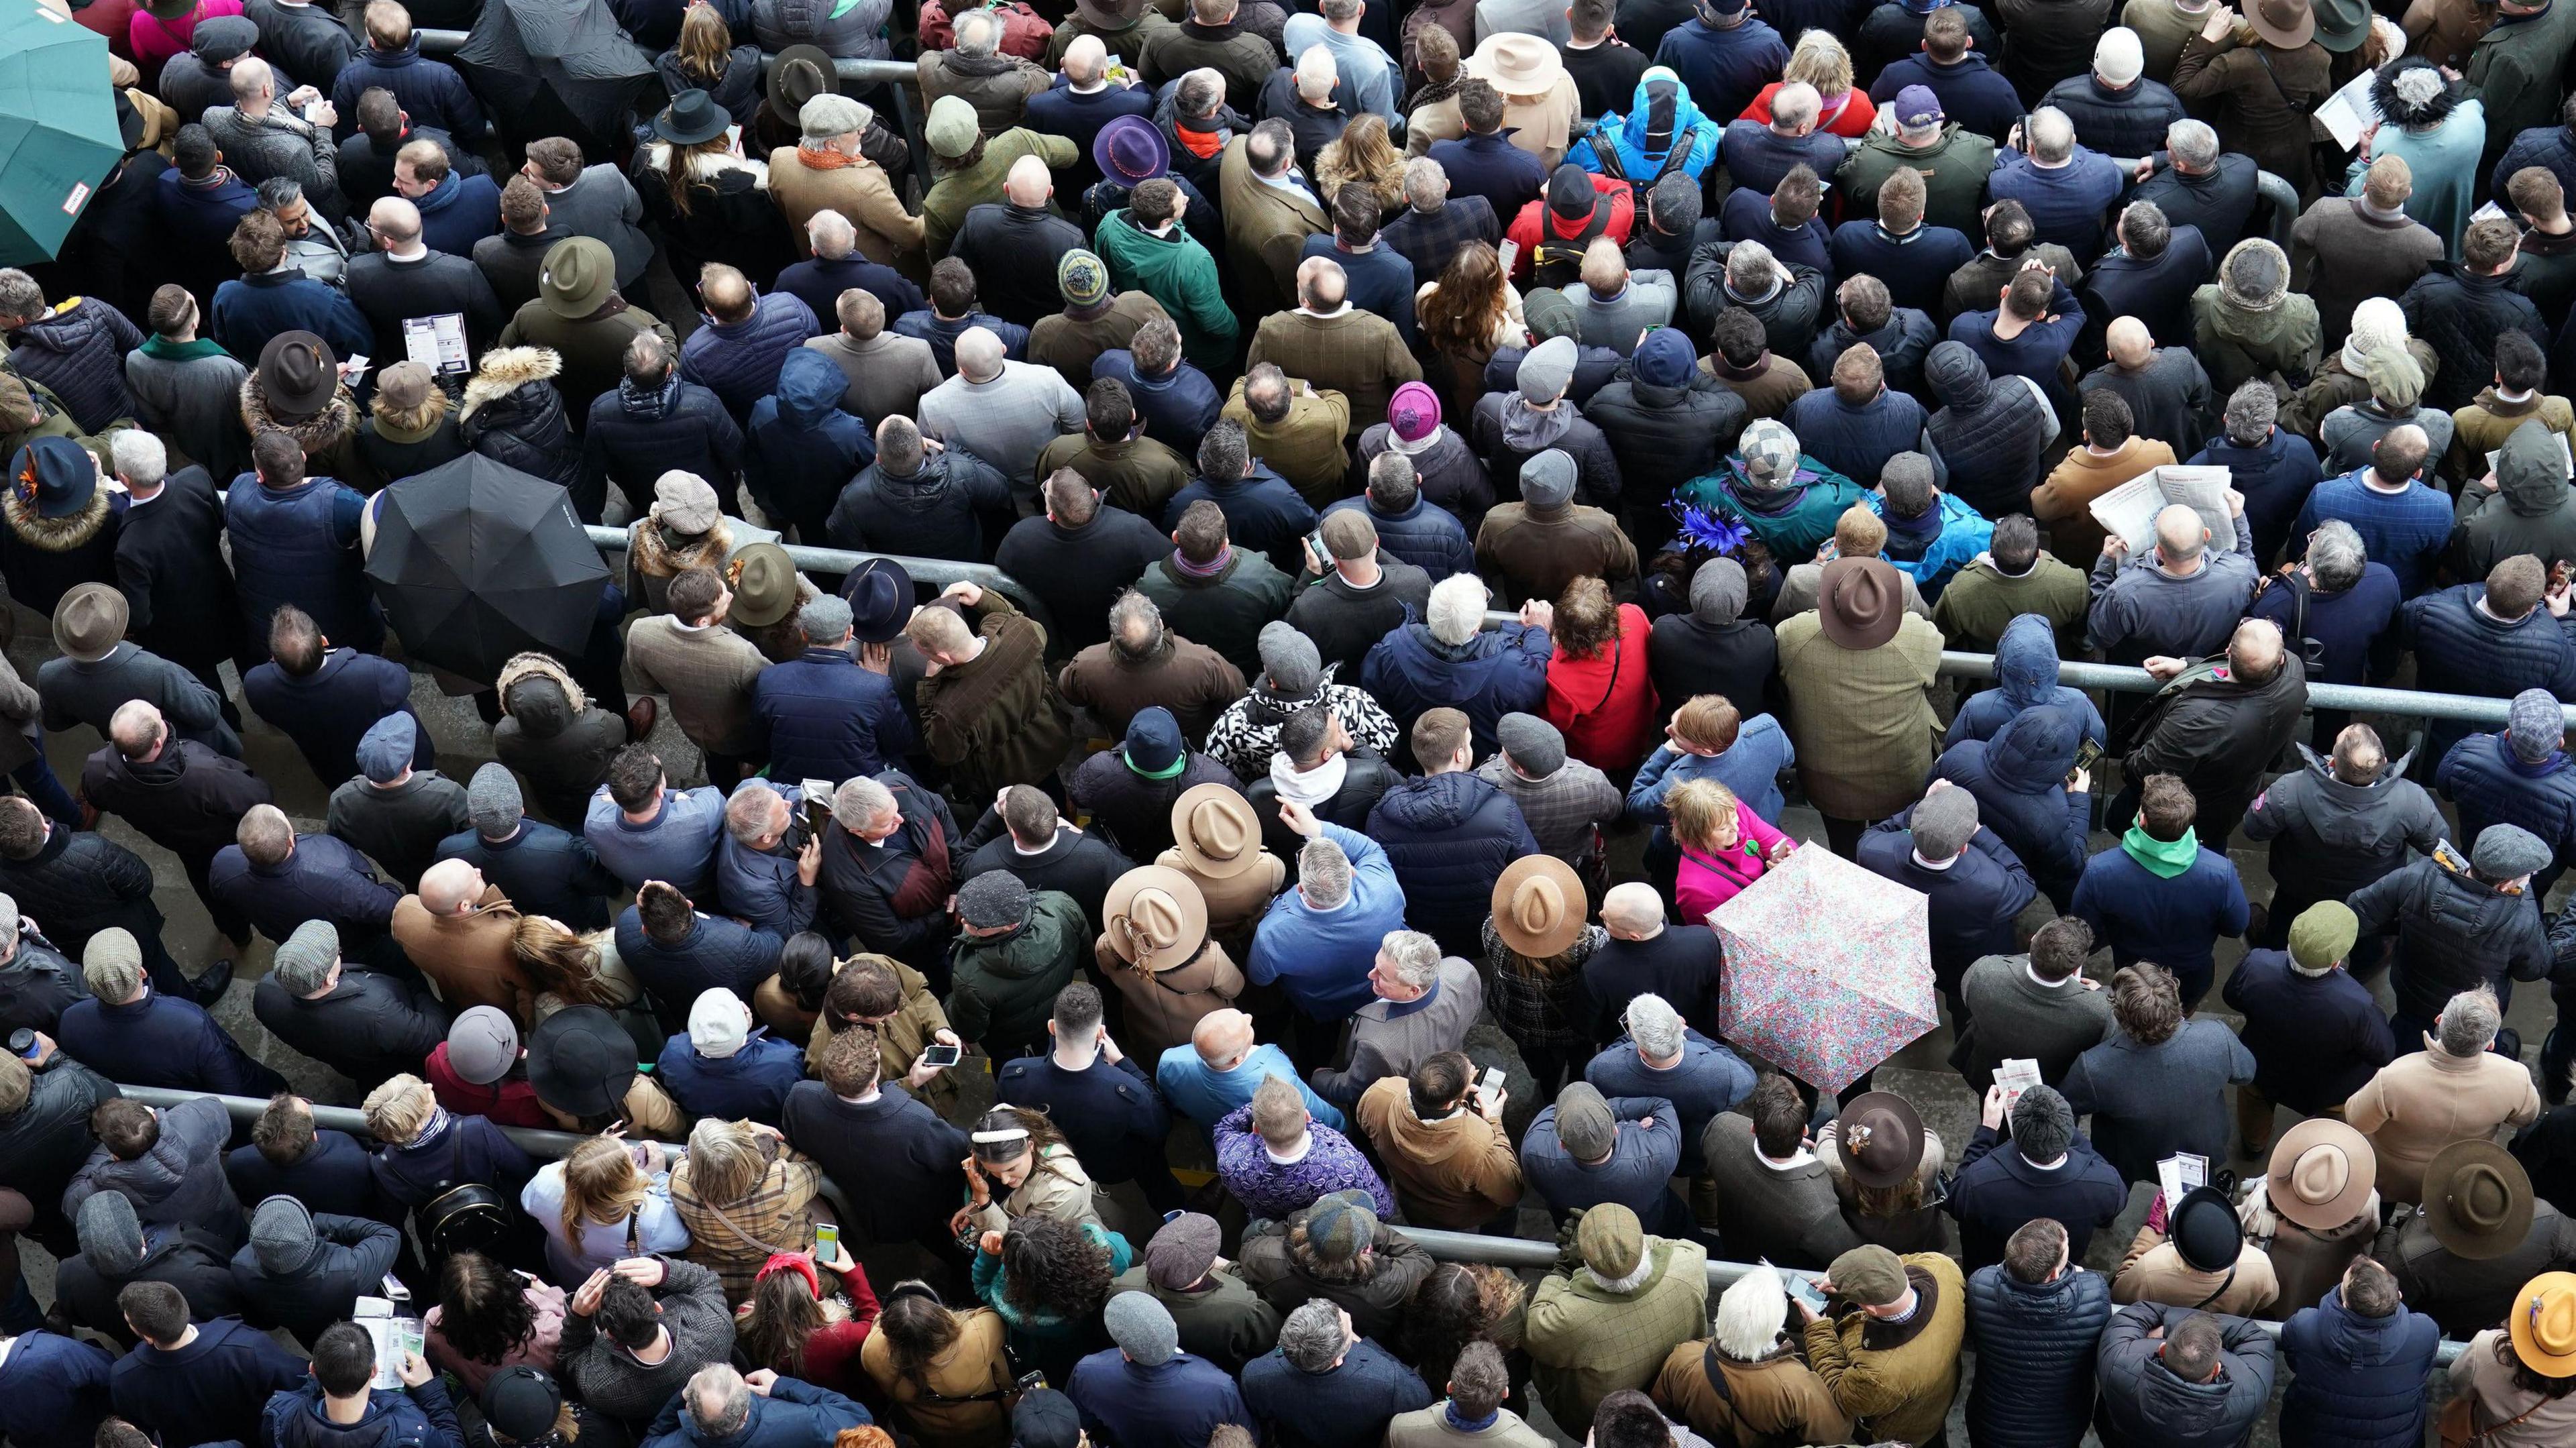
[[2163, 858], [1942, 866], [168, 351], [1796, 1160], [1397, 1012]]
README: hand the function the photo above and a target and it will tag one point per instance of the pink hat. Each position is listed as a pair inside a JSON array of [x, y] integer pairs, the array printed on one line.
[[1414, 412]]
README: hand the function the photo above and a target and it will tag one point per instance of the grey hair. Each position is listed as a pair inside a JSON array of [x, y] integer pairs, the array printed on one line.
[[2251, 411], [112, 978], [748, 812], [2051, 136], [280, 192], [1312, 1337], [1426, 183], [860, 803], [141, 459], [1133, 611], [1456, 611], [977, 33], [19, 294], [1749, 1313], [1200, 91], [2192, 142], [1324, 874], [2336, 555], [1748, 267], [2469, 1022], [719, 1401], [1316, 74], [1416, 955], [1795, 104], [830, 234], [1654, 1025]]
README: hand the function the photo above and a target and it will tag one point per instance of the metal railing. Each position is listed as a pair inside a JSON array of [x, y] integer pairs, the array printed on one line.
[[941, 571], [1521, 1254], [865, 72]]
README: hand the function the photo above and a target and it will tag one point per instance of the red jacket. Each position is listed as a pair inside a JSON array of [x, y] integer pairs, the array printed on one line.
[[1525, 226], [509, 1102], [1606, 705]]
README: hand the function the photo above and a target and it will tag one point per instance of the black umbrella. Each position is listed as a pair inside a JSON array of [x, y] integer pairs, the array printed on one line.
[[555, 68], [475, 561]]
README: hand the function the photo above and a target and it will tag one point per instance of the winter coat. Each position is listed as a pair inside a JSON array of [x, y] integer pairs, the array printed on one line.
[[2427, 1099], [1587, 1340], [2143, 1405], [992, 721], [2484, 1373], [190, 394], [1005, 986], [2330, 838], [1449, 837], [247, 313], [1989, 434], [2461, 649], [162, 1041], [2127, 120], [2461, 316], [2454, 931], [2026, 666], [80, 883], [1792, 520], [2047, 1331], [2355, 1380], [78, 350], [432, 94], [1723, 68], [631, 438], [1498, 672], [2531, 511], [513, 414], [1974, 901], [2491, 785], [956, 506], [1861, 720], [1954, 170], [2019, 780], [2173, 921], [553, 737], [350, 1258], [2150, 1101], [1897, 1379], [178, 1181], [1996, 1189], [37, 984], [1628, 138], [2315, 1039], [368, 1028], [2218, 734], [1707, 879], [1662, 437]]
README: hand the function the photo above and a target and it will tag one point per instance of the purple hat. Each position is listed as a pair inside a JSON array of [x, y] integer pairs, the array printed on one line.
[[1414, 412], [1130, 150], [1917, 106]]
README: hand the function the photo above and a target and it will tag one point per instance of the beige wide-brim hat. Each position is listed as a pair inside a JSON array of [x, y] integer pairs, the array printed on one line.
[[2322, 1173], [1154, 917], [1517, 64], [1539, 906], [1215, 830]]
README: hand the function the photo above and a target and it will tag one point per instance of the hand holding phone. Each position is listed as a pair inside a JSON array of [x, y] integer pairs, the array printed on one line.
[[941, 1057]]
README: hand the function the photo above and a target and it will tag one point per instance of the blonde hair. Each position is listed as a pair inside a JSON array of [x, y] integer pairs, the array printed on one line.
[[1697, 807], [1820, 61], [1363, 155], [397, 1110], [601, 1185], [725, 1161], [562, 960]]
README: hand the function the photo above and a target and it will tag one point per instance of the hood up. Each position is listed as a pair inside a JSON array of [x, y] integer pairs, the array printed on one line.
[[2531, 471], [2033, 753]]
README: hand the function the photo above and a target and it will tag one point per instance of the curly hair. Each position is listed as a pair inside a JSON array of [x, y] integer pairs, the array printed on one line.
[[483, 1311], [1053, 1269]]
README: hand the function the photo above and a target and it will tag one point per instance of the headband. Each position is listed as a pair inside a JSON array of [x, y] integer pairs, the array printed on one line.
[[989, 1138]]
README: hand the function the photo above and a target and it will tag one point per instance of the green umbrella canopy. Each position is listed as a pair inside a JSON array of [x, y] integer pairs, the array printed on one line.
[[58, 132]]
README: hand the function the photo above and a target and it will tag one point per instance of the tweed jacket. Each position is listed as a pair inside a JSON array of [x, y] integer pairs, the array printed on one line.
[[1266, 227], [706, 672], [1357, 354], [733, 1239]]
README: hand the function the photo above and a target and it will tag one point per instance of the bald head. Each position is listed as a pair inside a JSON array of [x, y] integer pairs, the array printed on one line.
[[395, 221], [1321, 284], [2254, 651], [979, 354], [2130, 343], [1632, 912], [450, 886], [136, 730], [2180, 535], [1222, 1037], [1029, 183], [1085, 59]]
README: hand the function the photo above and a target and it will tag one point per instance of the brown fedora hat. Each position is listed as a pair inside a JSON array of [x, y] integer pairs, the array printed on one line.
[[1215, 830], [1539, 906], [1860, 602], [1154, 917], [2322, 1173], [2477, 1200], [1880, 1138], [2288, 24]]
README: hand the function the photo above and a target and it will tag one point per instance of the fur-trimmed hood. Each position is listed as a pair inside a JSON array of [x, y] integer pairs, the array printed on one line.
[[655, 556], [505, 370], [535, 710], [57, 535], [314, 434]]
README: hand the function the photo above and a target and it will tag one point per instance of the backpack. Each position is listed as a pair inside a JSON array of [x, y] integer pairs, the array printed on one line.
[[1558, 261]]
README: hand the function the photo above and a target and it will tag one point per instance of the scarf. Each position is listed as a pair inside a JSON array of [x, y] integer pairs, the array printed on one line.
[[1432, 93], [1203, 144], [1469, 1425], [163, 349], [2163, 859], [813, 160], [1209, 569], [1313, 786], [648, 404], [429, 1131]]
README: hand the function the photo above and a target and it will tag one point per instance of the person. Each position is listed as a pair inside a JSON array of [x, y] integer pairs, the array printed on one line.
[[1112, 1119], [1337, 1250], [884, 848], [1448, 834], [1325, 1384], [743, 1173], [2174, 1374], [1476, 1386], [2156, 1087], [2499, 411], [2462, 311], [727, 1066], [2162, 896], [2195, 1253], [1278, 1160], [1313, 938], [1976, 881], [943, 1370], [1536, 943], [2315, 1033], [1362, 596], [1016, 948], [2212, 719], [1898, 1385], [393, 812], [1143, 664], [366, 1025], [888, 1144], [2457, 925], [1146, 1390], [1745, 1378], [2050, 1172], [297, 534], [1450, 1162], [1778, 1203], [2516, 776], [586, 1201], [1857, 670], [1587, 1150], [2336, 1350], [983, 710], [180, 794], [2515, 1376], [1612, 1271], [678, 953], [129, 1030], [2448, 1091]]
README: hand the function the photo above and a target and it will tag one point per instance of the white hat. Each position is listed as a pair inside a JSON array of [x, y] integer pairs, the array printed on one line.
[[2117, 57], [719, 1023]]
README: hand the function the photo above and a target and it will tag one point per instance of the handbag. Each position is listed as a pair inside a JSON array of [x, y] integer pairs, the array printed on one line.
[[2458, 1423]]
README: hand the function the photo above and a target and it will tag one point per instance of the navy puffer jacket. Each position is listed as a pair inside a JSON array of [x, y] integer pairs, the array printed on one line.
[[1449, 837], [2019, 779], [2492, 787], [2047, 1333], [2128, 122], [79, 352], [2462, 650], [2455, 932], [2355, 1382], [2025, 677], [1989, 438]]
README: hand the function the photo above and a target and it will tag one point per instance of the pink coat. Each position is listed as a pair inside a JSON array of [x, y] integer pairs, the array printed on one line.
[[1708, 881], [155, 40]]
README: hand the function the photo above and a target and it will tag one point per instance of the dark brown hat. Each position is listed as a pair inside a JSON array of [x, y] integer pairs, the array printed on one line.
[[2477, 1200], [1860, 602], [1880, 1139], [299, 374]]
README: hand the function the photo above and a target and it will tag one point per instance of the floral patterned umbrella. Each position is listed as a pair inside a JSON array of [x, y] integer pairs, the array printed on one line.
[[1828, 968]]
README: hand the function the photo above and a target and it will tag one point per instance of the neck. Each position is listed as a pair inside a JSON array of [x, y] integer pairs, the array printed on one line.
[[344, 1410], [1359, 572], [1077, 1055]]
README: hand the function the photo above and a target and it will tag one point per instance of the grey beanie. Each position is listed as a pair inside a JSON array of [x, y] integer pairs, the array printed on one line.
[[304, 959], [1944, 822], [2538, 725], [111, 1236], [1142, 1327], [2043, 1125], [1546, 370], [1289, 659], [282, 1236], [1547, 480], [1534, 744], [2506, 851], [1717, 591], [825, 621], [492, 802]]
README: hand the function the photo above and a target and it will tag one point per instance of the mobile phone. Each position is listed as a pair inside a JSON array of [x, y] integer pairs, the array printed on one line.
[[1032, 1380], [2086, 753], [1491, 1083], [941, 1055], [827, 1239], [1803, 1288]]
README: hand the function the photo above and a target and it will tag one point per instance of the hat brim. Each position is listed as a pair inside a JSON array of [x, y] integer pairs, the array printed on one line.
[[2526, 1345], [1896, 1106], [1535, 74], [785, 106], [2343, 1206], [2457, 1237], [1184, 892], [1126, 126], [1199, 861], [1569, 926], [580, 1093], [2290, 39], [869, 628], [1119, 17], [759, 610], [665, 128], [2215, 1200], [1859, 633], [2338, 30]]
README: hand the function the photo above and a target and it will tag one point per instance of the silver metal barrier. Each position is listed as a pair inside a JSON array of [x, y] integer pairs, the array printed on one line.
[[942, 571], [865, 72], [1518, 1253]]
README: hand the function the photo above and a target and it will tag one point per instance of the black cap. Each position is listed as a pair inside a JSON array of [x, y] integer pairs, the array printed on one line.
[[522, 1404], [1045, 1418]]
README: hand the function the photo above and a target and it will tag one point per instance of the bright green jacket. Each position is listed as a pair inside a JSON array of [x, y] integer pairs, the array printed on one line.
[[1178, 272]]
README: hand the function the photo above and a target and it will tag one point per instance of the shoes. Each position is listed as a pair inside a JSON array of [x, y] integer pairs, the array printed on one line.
[[639, 719], [209, 987]]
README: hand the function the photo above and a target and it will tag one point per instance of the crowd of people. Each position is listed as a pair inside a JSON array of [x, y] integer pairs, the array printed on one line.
[[1131, 952]]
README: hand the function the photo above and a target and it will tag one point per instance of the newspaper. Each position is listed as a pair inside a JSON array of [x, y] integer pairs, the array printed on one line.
[[393, 1336], [437, 342], [2566, 458], [2350, 111], [2129, 510], [2178, 1174], [2016, 1075]]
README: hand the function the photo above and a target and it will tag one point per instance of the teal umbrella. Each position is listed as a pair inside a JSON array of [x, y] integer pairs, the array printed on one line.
[[58, 132]]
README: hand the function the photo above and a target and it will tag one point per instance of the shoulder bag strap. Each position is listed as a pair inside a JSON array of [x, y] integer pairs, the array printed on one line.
[[2224, 1284], [1618, 653]]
